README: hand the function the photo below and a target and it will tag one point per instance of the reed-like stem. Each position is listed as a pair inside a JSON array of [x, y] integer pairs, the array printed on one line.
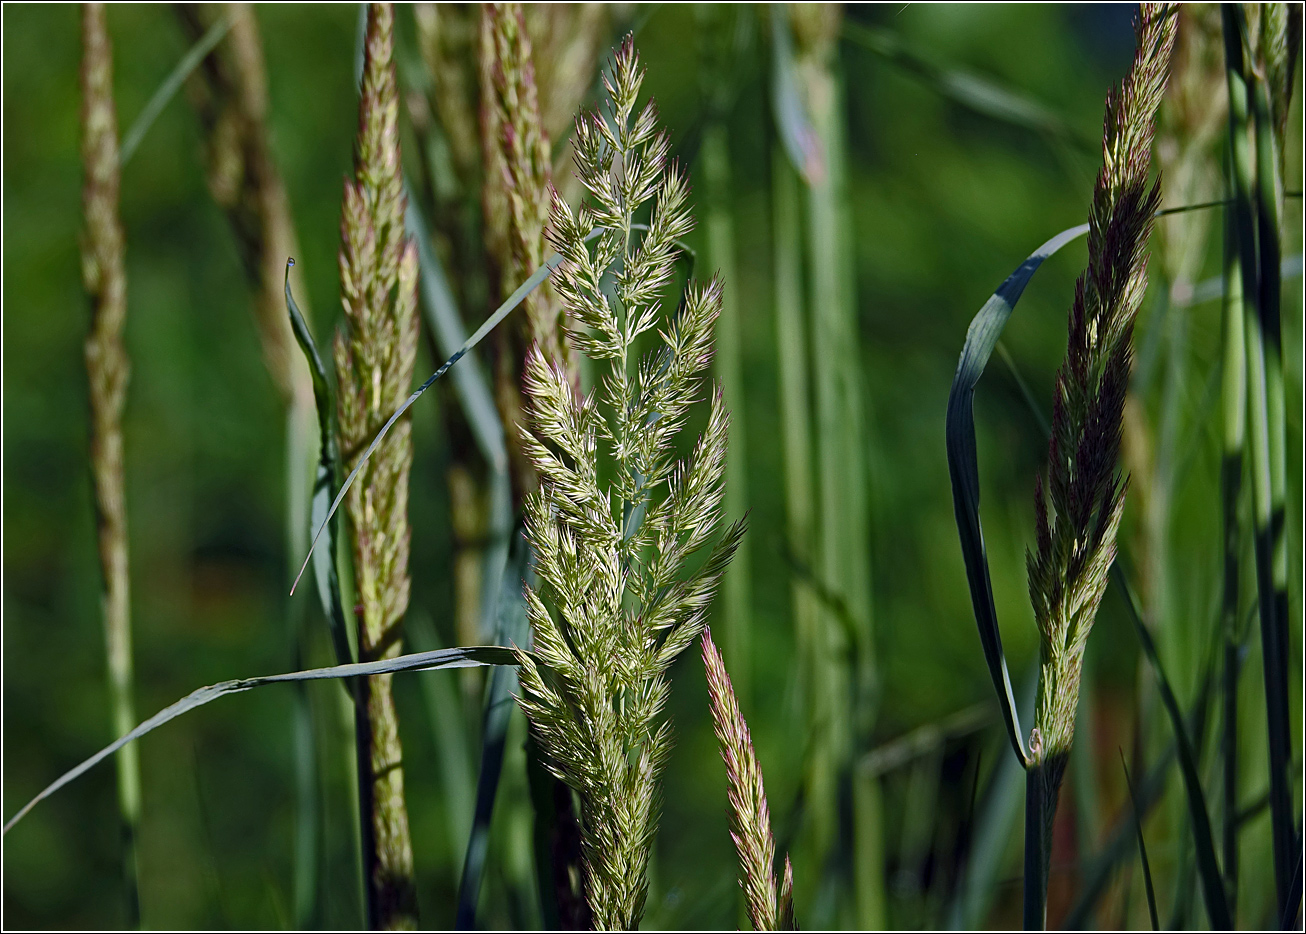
[[374, 357], [1077, 535], [1256, 229], [104, 276], [719, 229], [843, 557], [230, 95]]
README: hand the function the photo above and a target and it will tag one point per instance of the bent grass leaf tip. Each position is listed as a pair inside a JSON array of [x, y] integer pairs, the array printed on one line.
[[467, 657], [963, 466]]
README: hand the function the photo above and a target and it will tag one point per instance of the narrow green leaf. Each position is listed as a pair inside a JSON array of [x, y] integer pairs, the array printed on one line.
[[512, 630], [1142, 846], [801, 143], [981, 95], [963, 466], [468, 657], [1217, 905], [169, 87], [328, 469]]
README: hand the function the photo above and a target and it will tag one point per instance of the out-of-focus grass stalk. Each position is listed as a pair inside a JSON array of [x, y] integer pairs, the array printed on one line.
[[720, 236], [844, 558], [795, 406], [1233, 439], [374, 368], [231, 97], [107, 368], [1256, 227]]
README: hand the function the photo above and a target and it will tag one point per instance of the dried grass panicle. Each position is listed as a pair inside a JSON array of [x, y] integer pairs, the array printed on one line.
[[374, 356], [750, 817], [230, 95], [1076, 536], [108, 370], [615, 605]]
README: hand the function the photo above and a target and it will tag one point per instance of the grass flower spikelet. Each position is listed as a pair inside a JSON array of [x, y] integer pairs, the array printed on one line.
[[615, 604]]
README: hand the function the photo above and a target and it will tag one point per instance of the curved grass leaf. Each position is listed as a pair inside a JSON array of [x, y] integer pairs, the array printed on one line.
[[446, 324], [468, 657], [974, 92], [963, 466], [1142, 846], [328, 470], [169, 87], [512, 301]]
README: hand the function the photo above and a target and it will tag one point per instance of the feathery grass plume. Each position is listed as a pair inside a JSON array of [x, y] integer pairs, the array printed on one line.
[[614, 605], [516, 207], [107, 369], [750, 817], [374, 357], [1076, 537]]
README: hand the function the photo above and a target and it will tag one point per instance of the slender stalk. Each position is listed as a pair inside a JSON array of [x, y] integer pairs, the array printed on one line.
[[719, 229], [107, 368], [1256, 226], [374, 367], [231, 97], [795, 406], [1234, 393]]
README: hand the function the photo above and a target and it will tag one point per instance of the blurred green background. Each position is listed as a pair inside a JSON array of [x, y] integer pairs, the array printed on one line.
[[944, 204]]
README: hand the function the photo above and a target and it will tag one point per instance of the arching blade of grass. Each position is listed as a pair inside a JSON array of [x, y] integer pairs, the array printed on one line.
[[446, 324], [1142, 846], [963, 466], [981, 95], [510, 303], [419, 661], [324, 567], [171, 84]]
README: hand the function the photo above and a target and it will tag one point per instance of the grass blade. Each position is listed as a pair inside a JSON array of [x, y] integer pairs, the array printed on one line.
[[328, 467], [1142, 846], [963, 466], [1257, 238], [1217, 905], [486, 327], [981, 95], [800, 141], [418, 661], [171, 84], [512, 630]]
